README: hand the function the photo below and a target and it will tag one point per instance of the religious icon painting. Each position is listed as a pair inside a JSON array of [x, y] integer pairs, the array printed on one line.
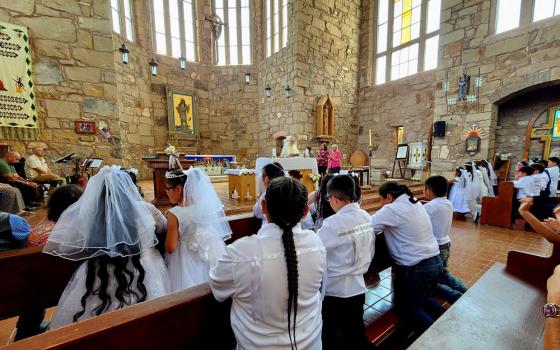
[[85, 127], [472, 142], [182, 114]]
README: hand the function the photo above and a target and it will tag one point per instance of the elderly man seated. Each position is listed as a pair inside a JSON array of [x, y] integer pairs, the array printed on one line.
[[8, 175], [37, 169]]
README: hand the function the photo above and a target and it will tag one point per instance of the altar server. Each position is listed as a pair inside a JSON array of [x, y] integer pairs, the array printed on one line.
[[274, 277], [196, 228]]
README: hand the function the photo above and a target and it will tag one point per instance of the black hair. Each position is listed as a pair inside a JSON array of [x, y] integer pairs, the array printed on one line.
[[458, 170], [437, 184], [527, 170], [324, 209], [61, 199], [99, 267], [396, 190], [286, 202], [543, 162], [524, 163], [134, 179], [357, 189], [179, 178], [556, 160], [484, 164], [343, 187], [273, 170], [539, 167]]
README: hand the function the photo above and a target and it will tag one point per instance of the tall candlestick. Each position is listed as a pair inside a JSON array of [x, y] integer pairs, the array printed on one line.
[[369, 137]]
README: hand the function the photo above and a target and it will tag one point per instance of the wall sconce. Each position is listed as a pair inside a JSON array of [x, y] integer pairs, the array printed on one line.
[[153, 67], [183, 63], [268, 91], [124, 53], [287, 91], [247, 78]]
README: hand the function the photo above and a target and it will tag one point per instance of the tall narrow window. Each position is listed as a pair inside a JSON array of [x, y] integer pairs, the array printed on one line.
[[545, 8], [121, 13], [276, 22], [508, 13], [511, 14], [407, 39], [175, 28], [234, 45]]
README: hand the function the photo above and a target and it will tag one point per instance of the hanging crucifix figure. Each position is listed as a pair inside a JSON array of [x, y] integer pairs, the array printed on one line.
[[464, 84], [216, 25]]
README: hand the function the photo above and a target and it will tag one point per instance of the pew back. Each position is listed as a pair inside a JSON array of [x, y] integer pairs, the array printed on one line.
[[498, 211]]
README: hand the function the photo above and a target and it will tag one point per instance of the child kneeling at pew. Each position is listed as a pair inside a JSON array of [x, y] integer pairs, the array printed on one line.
[[524, 184], [350, 242], [113, 232], [415, 251], [274, 277], [440, 211]]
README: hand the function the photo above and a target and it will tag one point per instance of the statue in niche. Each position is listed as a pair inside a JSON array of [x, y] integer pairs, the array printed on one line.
[[325, 119], [464, 84]]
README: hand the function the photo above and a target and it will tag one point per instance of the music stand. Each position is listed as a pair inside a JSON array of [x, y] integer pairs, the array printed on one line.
[[92, 163], [64, 160]]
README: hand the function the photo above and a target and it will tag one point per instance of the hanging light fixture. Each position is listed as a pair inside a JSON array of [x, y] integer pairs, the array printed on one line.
[[247, 78], [153, 67], [268, 91], [183, 63], [124, 53], [287, 91]]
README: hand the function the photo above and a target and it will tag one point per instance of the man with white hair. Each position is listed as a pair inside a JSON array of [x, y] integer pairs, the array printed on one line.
[[37, 169]]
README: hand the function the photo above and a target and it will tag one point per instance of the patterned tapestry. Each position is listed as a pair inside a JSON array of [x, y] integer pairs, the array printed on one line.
[[18, 111]]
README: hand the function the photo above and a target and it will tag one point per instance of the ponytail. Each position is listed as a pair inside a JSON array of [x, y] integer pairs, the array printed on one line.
[[286, 202], [396, 190]]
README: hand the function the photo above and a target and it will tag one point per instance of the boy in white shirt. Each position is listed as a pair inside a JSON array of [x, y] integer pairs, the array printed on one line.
[[412, 245], [554, 173], [350, 242], [524, 183], [440, 211]]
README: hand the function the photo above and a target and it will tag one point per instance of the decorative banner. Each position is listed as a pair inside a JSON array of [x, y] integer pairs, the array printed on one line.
[[18, 111]]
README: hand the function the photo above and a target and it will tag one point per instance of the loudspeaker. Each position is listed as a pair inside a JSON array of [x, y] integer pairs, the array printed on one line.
[[439, 129]]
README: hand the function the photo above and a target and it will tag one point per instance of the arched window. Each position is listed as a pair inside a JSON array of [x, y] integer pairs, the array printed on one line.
[[276, 23], [511, 14], [121, 13], [407, 38], [234, 44], [175, 28]]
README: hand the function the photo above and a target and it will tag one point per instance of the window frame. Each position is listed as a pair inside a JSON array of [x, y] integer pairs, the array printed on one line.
[[281, 38], [525, 17], [388, 53], [225, 33], [182, 32], [122, 21]]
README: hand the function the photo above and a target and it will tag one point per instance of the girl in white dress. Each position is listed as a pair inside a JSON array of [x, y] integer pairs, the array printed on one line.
[[196, 228], [112, 230], [475, 193], [458, 195]]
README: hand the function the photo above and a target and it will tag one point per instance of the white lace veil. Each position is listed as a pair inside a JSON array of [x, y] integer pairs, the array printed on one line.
[[204, 208], [109, 218], [493, 177], [475, 183]]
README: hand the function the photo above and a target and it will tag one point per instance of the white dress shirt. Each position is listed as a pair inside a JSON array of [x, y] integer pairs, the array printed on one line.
[[253, 273], [350, 242], [440, 211], [525, 187], [257, 209], [540, 181], [554, 173], [33, 162], [408, 231]]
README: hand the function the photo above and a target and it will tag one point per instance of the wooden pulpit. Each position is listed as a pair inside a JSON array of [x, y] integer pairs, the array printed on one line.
[[160, 165]]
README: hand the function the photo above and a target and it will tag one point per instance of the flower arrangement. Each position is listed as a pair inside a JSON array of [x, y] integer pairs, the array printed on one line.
[[503, 156], [173, 157], [387, 174], [315, 177]]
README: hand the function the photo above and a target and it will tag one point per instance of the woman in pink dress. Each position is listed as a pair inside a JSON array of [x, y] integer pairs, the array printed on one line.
[[323, 159], [335, 159]]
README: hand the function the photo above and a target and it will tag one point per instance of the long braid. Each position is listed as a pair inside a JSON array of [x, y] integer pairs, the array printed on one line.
[[280, 192]]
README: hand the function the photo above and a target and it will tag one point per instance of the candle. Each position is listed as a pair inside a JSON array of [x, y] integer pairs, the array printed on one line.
[[273, 151], [369, 137]]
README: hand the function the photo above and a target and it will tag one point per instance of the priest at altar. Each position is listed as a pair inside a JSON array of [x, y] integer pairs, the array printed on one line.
[[290, 148]]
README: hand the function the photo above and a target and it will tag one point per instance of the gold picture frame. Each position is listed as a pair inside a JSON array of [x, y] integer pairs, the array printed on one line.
[[182, 114]]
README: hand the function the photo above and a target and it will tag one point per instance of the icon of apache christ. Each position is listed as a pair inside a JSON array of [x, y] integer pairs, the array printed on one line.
[[183, 110]]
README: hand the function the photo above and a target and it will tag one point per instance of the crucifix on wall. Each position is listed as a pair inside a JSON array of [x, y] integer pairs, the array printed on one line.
[[325, 119]]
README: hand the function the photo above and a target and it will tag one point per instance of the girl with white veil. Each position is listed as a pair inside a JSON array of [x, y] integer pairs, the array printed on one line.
[[458, 194], [112, 231], [197, 228], [475, 193]]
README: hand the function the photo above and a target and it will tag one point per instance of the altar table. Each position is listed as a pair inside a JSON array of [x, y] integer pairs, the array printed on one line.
[[241, 181], [160, 165], [305, 166]]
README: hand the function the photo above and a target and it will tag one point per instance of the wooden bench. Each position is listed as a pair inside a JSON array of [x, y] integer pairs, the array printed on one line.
[[186, 319], [502, 310], [498, 211]]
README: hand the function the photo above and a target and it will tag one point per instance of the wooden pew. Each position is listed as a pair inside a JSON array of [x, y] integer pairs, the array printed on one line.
[[497, 211], [186, 319], [502, 310]]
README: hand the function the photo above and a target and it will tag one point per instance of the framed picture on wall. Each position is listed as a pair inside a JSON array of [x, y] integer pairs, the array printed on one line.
[[182, 114], [85, 127], [402, 152]]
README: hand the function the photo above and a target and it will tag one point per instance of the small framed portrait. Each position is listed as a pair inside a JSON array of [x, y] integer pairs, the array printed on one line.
[[85, 127], [182, 114], [402, 152], [472, 145]]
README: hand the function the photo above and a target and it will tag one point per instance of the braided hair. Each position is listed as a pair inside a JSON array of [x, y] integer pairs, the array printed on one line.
[[286, 202], [396, 190], [324, 209]]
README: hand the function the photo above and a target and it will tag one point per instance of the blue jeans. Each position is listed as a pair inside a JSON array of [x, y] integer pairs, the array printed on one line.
[[450, 287], [413, 288]]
